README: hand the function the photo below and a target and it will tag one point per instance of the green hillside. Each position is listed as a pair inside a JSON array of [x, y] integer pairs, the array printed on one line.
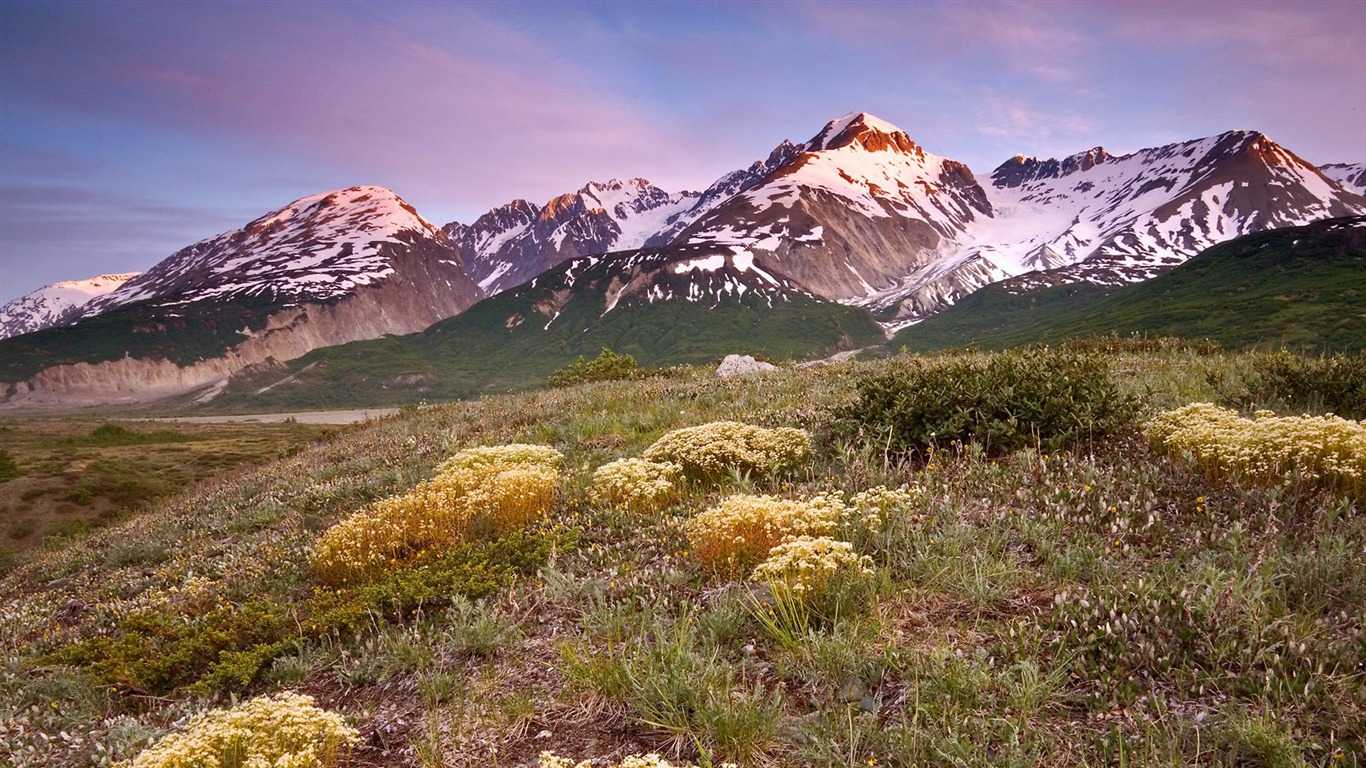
[[506, 343], [1302, 288]]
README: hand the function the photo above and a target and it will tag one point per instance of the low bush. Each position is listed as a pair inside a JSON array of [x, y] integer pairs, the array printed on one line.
[[737, 534], [826, 576], [635, 484], [708, 451], [1012, 400], [607, 366], [478, 492], [1329, 449], [9, 468], [285, 730], [1136, 345], [1290, 382]]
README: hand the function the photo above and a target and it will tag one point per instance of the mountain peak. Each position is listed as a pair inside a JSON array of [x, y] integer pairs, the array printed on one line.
[[867, 131], [1021, 169]]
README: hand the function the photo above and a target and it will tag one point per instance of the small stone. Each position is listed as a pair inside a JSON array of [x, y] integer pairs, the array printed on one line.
[[868, 704], [853, 690]]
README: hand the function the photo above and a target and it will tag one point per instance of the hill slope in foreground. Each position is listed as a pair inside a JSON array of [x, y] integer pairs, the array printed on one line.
[[1091, 606], [1302, 287]]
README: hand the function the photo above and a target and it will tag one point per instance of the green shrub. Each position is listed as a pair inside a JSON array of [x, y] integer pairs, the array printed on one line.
[[607, 366], [1289, 382], [1133, 345], [9, 468], [1050, 398]]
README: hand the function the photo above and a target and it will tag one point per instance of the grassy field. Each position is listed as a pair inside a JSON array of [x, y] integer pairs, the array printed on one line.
[[72, 475], [1107, 603]]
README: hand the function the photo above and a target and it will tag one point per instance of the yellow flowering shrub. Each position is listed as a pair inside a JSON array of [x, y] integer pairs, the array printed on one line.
[[636, 484], [710, 450], [734, 536], [808, 566], [479, 491], [512, 498], [652, 760], [1327, 448], [285, 730], [390, 532], [515, 453]]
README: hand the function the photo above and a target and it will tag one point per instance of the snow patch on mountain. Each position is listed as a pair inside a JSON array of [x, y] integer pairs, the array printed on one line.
[[1351, 176], [52, 305]]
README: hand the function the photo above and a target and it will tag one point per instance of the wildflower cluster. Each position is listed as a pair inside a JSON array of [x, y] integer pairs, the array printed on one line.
[[810, 565], [1326, 448], [281, 731], [652, 760], [479, 491], [709, 450], [738, 533], [636, 484]]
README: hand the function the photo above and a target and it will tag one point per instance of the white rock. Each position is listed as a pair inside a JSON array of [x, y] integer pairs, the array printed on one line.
[[741, 365]]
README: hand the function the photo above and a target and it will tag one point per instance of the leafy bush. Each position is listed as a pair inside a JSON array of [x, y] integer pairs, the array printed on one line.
[[636, 484], [737, 534], [1133, 345], [707, 451], [607, 366], [1327, 448], [156, 652], [9, 468], [285, 730], [1291, 382], [1052, 398]]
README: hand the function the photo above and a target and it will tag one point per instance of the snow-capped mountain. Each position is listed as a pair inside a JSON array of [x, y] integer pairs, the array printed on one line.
[[513, 243], [1352, 176], [53, 305], [319, 248], [849, 212], [353, 264], [1114, 220]]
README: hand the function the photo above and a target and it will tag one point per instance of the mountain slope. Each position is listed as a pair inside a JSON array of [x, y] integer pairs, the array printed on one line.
[[1303, 287], [52, 305], [1352, 176], [513, 243], [659, 305], [1114, 220], [327, 269], [854, 209]]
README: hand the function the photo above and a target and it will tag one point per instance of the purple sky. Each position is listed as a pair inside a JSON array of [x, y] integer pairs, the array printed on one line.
[[131, 129]]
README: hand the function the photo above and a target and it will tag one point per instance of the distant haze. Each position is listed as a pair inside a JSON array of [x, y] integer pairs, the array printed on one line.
[[129, 130]]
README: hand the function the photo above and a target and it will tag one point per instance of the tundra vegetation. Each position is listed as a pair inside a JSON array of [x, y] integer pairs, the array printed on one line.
[[1053, 558]]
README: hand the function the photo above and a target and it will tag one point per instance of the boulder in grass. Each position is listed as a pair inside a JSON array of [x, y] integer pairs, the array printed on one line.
[[742, 365]]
